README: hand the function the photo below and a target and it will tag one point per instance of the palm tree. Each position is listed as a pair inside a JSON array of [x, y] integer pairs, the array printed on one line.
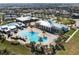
[[32, 46], [43, 33], [53, 50], [31, 26], [40, 40], [32, 43]]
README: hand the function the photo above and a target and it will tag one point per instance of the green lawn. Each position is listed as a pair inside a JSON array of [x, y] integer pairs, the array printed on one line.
[[70, 32], [66, 20], [72, 47], [17, 49], [6, 22]]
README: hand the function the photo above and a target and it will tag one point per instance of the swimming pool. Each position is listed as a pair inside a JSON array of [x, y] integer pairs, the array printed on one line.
[[32, 36]]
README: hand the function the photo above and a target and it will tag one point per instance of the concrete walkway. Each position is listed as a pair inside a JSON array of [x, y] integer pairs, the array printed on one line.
[[71, 36], [77, 22]]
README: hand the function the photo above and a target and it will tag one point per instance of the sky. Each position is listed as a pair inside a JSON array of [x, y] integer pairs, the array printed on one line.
[[36, 5]]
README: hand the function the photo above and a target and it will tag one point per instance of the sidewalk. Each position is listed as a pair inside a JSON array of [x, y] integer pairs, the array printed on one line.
[[71, 36]]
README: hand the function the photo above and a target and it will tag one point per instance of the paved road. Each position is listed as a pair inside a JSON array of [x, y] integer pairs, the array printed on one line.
[[77, 22]]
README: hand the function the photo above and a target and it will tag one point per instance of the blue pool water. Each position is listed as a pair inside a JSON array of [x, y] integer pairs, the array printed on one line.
[[32, 36]]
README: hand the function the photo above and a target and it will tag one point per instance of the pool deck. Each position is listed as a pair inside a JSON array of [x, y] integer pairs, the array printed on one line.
[[51, 37]]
